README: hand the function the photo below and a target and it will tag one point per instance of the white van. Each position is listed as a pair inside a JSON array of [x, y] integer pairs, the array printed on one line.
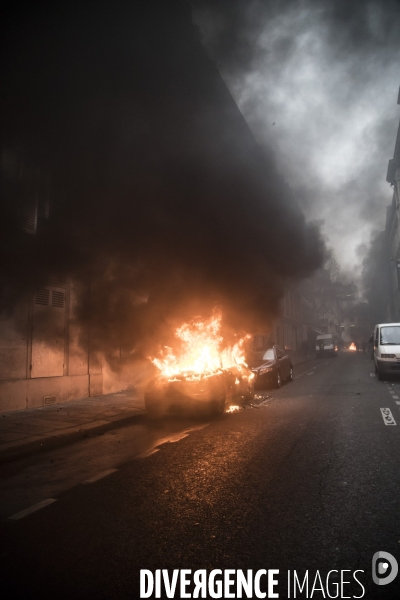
[[387, 349], [325, 345]]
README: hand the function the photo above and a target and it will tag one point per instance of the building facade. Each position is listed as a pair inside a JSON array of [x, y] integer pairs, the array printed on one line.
[[392, 233], [327, 305], [150, 131], [45, 356], [297, 326]]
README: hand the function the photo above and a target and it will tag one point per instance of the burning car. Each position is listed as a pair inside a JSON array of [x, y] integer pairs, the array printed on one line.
[[207, 393], [203, 376]]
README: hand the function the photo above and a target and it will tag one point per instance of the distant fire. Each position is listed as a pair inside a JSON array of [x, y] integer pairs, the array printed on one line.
[[203, 351], [352, 346]]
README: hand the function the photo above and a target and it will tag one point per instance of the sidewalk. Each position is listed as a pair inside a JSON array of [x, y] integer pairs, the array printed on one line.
[[24, 432], [299, 359]]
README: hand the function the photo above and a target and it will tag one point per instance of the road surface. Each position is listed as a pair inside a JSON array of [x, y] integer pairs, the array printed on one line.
[[307, 482]]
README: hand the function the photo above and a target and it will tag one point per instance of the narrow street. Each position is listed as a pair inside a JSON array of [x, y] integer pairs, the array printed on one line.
[[308, 480], [196, 197]]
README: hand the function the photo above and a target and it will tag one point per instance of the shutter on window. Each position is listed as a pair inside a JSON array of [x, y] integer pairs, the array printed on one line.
[[42, 297], [29, 222], [57, 299]]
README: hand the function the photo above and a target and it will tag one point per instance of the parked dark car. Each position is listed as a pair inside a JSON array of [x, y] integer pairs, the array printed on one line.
[[274, 367]]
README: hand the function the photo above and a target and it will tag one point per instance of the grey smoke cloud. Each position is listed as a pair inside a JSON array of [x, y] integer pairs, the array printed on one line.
[[162, 205], [317, 81]]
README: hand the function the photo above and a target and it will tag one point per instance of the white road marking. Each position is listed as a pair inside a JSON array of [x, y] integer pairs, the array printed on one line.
[[100, 475], [148, 453], [177, 437], [310, 373], [387, 416], [33, 508], [395, 397], [398, 402], [372, 374]]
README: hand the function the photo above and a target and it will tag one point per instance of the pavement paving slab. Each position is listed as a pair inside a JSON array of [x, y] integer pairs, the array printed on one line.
[[25, 432], [28, 431]]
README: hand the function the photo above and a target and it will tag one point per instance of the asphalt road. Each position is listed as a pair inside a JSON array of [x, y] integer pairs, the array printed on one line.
[[307, 481]]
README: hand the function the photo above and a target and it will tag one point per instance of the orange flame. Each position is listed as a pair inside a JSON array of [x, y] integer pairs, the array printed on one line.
[[233, 408], [352, 346], [203, 351]]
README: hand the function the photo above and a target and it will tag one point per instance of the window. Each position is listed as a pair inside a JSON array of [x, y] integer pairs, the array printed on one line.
[[390, 336]]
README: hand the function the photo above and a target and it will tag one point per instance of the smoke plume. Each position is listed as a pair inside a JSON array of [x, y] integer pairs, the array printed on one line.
[[153, 195], [317, 80]]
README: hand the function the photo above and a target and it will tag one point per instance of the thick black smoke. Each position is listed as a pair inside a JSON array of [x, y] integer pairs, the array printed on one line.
[[232, 28], [319, 80], [161, 203]]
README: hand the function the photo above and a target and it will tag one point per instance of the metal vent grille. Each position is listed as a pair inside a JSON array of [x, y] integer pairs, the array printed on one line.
[[49, 400], [42, 297], [57, 299], [29, 222]]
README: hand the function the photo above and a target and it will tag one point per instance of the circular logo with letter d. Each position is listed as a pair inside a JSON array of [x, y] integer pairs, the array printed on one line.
[[384, 568]]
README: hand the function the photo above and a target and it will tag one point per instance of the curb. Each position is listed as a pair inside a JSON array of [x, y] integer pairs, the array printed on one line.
[[46, 443], [15, 451], [304, 361]]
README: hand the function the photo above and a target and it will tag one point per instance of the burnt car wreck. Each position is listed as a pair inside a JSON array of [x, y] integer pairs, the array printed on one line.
[[207, 393]]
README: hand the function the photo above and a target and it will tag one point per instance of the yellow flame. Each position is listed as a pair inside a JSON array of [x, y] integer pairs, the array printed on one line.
[[233, 408], [203, 350], [352, 346]]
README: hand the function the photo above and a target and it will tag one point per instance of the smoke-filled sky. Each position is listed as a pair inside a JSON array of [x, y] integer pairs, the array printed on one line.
[[317, 80], [161, 203]]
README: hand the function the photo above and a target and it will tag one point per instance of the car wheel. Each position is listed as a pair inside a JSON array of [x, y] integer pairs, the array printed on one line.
[[249, 395], [290, 377], [218, 406], [278, 380]]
